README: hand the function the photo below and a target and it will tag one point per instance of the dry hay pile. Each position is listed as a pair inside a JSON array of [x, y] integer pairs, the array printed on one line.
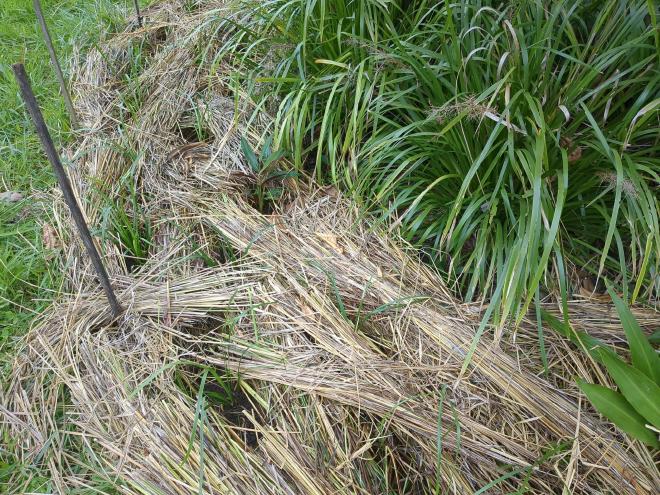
[[342, 352]]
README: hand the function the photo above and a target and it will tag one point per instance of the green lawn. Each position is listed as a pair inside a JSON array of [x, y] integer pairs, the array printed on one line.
[[28, 280]]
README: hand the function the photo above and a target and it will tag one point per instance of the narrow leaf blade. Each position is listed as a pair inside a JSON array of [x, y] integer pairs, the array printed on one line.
[[249, 155]]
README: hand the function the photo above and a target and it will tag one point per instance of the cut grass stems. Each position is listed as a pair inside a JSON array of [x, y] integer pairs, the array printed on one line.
[[329, 337], [513, 141]]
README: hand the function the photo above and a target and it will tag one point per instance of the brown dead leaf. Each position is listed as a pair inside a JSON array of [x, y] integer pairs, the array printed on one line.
[[331, 240], [50, 238], [575, 155], [574, 151]]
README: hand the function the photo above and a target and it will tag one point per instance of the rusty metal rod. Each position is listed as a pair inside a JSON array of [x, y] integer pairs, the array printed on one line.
[[56, 65], [65, 185]]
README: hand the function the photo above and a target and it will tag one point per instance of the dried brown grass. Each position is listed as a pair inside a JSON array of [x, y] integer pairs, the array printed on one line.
[[343, 350]]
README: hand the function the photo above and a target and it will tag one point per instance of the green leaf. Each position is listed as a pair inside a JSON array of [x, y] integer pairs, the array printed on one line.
[[272, 158], [594, 347], [249, 155], [614, 407], [643, 356], [265, 150], [655, 338], [636, 387]]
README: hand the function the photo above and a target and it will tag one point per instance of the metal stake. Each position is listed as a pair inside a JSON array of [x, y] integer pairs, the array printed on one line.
[[56, 65], [137, 11], [65, 185]]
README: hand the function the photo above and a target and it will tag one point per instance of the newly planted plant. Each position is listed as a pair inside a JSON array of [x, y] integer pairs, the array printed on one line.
[[125, 223], [264, 166]]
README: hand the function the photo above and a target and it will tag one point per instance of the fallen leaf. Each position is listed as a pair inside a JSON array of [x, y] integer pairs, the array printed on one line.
[[49, 237], [10, 196], [575, 155], [331, 240]]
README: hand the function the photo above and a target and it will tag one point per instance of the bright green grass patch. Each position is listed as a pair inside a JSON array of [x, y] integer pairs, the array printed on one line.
[[516, 142], [26, 279]]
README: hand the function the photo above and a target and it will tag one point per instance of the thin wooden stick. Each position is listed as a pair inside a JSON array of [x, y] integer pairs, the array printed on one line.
[[137, 10], [56, 65], [65, 185]]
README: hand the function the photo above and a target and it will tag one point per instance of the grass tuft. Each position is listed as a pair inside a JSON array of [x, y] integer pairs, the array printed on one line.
[[505, 138]]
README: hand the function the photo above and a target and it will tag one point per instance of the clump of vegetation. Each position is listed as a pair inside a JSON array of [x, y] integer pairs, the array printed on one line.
[[637, 403], [268, 187], [516, 142], [124, 221], [289, 343]]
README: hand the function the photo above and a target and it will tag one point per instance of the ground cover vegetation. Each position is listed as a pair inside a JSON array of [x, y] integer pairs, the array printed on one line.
[[516, 142], [279, 340], [27, 280], [30, 272]]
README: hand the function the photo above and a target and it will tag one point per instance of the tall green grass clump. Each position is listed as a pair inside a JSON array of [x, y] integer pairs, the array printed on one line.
[[516, 142]]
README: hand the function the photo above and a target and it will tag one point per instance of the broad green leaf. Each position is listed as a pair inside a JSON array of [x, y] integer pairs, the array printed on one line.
[[614, 407], [655, 338], [638, 389], [272, 158], [643, 356], [249, 155]]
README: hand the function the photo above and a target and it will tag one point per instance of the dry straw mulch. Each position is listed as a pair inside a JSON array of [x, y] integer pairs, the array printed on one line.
[[343, 351]]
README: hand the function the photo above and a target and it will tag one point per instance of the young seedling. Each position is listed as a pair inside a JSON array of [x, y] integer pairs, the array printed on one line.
[[263, 166]]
